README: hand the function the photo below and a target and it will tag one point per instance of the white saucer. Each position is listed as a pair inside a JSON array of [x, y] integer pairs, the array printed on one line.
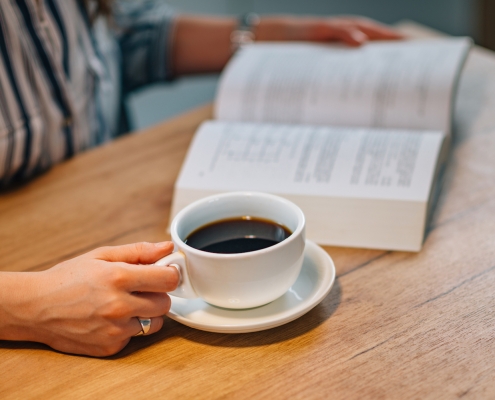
[[313, 284]]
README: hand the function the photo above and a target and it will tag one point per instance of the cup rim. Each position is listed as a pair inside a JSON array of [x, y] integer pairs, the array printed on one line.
[[297, 232]]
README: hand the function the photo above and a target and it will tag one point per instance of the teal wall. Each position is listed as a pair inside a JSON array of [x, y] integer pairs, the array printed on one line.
[[456, 17]]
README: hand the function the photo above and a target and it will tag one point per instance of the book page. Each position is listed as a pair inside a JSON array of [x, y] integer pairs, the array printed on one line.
[[391, 84], [312, 160]]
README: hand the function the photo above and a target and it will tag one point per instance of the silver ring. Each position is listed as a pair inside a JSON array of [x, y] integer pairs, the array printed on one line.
[[145, 326]]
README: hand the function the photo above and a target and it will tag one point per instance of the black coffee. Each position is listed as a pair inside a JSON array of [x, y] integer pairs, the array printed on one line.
[[237, 235]]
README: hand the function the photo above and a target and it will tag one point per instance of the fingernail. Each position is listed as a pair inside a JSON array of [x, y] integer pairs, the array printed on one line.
[[359, 36], [162, 245]]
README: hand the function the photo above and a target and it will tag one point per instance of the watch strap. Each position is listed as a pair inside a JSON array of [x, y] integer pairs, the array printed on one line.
[[244, 33]]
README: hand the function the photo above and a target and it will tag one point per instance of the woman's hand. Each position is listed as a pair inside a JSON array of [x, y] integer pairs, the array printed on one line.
[[89, 304], [353, 31], [202, 44]]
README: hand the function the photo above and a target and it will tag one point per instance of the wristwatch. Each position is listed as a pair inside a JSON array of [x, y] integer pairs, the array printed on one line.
[[244, 34]]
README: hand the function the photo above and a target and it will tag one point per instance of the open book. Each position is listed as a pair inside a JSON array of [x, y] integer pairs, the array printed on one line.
[[356, 137]]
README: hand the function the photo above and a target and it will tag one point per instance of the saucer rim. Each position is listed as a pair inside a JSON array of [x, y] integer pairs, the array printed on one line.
[[323, 288]]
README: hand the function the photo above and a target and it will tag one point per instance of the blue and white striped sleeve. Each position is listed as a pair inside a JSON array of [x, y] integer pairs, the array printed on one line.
[[144, 28]]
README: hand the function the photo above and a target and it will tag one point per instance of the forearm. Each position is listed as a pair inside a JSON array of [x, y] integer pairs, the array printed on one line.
[[17, 293], [201, 44]]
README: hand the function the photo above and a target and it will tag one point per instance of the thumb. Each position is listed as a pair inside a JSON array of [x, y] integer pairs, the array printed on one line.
[[135, 253]]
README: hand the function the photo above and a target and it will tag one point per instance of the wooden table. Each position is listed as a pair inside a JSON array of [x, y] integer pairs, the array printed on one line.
[[395, 325]]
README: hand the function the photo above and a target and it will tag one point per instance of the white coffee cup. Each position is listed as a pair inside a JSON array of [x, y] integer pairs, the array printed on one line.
[[242, 280]]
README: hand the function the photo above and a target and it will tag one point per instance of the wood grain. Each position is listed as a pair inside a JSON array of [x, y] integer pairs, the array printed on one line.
[[396, 324]]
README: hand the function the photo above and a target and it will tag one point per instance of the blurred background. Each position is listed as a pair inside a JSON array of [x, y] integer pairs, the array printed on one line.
[[475, 18]]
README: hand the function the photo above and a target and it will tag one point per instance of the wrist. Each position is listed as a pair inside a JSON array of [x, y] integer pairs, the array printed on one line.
[[244, 33], [19, 296]]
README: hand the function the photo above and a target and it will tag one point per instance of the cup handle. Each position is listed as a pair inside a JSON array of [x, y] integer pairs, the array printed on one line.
[[178, 260]]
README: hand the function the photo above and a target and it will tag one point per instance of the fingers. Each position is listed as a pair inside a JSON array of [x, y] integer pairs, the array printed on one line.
[[353, 31], [144, 278], [376, 31], [135, 253], [150, 304], [352, 37], [147, 305], [135, 326]]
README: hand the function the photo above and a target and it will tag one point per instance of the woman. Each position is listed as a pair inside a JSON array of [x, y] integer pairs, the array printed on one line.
[[65, 66]]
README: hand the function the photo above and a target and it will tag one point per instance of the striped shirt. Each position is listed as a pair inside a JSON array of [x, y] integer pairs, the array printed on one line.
[[62, 77]]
